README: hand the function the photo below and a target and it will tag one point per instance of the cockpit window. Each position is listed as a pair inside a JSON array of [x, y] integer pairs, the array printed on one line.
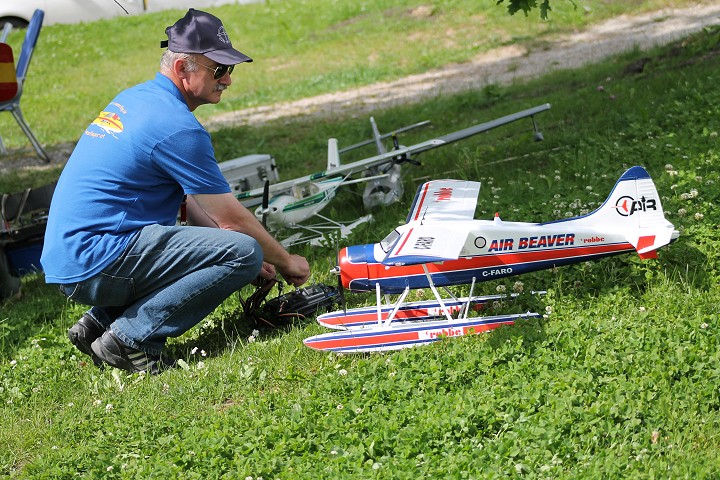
[[387, 242]]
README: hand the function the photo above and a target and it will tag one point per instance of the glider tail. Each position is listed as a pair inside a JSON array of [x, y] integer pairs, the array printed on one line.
[[634, 208], [333, 154]]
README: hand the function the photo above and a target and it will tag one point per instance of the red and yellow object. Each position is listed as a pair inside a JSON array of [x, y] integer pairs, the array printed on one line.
[[8, 80]]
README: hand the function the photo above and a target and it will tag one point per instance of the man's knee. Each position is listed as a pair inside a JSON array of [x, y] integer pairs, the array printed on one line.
[[250, 257]]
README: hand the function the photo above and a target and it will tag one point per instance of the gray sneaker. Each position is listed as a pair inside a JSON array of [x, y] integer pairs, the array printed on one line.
[[84, 333], [112, 351]]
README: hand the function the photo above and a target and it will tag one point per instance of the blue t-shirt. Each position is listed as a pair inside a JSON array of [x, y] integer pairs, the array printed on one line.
[[130, 169]]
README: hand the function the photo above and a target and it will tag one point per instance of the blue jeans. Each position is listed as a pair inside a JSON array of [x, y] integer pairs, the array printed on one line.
[[166, 281]]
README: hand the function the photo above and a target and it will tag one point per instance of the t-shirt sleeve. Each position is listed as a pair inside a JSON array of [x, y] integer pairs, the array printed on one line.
[[189, 157]]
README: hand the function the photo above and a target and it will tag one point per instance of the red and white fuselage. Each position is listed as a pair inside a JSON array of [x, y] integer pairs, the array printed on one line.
[[442, 241]]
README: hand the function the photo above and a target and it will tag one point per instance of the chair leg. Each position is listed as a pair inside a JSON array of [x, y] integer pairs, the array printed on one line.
[[17, 113], [3, 150]]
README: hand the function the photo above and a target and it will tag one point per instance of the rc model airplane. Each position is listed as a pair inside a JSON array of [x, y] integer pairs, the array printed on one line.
[[442, 245], [290, 203]]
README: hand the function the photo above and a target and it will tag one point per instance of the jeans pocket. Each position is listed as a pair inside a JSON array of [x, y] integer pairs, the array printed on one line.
[[102, 290]]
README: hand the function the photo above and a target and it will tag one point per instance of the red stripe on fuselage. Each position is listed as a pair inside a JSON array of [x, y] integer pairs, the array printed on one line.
[[378, 271]]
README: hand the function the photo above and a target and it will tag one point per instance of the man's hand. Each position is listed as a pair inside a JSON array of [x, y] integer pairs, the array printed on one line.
[[297, 271]]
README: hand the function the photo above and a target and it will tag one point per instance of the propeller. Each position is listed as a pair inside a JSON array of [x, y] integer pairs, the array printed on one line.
[[336, 271], [265, 202], [341, 291], [400, 158]]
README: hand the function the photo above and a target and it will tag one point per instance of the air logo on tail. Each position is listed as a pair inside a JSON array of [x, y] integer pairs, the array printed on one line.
[[626, 206]]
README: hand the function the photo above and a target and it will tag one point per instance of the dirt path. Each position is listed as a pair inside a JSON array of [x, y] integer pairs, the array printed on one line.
[[501, 66]]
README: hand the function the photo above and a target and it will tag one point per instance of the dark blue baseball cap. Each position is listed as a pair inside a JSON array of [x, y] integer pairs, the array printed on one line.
[[201, 32]]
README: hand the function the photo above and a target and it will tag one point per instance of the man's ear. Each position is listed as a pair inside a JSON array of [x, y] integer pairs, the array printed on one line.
[[179, 67]]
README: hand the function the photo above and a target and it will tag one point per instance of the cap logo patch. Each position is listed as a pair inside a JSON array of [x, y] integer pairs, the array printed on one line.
[[222, 35]]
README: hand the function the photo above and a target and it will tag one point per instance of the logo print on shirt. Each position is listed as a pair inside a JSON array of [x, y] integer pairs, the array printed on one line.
[[109, 122], [222, 35]]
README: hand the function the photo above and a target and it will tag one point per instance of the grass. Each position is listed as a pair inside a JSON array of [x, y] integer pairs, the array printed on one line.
[[618, 380]]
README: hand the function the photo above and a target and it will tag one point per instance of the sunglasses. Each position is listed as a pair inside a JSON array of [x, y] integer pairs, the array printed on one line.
[[219, 71]]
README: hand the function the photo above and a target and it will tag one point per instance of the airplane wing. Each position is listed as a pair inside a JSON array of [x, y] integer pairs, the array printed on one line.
[[433, 242], [344, 170], [370, 162], [439, 200]]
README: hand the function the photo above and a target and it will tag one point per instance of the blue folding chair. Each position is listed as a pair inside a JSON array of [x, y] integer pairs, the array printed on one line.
[[13, 105]]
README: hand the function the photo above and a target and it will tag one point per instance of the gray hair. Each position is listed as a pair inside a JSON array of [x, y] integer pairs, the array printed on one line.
[[169, 57]]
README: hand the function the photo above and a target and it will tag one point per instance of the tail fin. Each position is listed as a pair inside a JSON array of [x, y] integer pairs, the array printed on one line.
[[377, 138], [333, 154], [634, 208]]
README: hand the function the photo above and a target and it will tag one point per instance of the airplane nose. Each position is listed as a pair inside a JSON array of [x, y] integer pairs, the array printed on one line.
[[343, 267], [353, 265]]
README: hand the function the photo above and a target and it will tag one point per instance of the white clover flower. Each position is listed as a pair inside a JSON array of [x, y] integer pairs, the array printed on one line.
[[699, 216], [71, 404], [203, 353], [340, 406], [342, 372], [200, 365], [669, 167], [693, 193], [255, 333], [251, 339], [518, 287], [109, 407], [333, 452], [549, 309], [13, 363], [193, 351], [682, 212], [97, 403], [704, 325], [500, 288], [358, 410], [110, 468], [642, 309]]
